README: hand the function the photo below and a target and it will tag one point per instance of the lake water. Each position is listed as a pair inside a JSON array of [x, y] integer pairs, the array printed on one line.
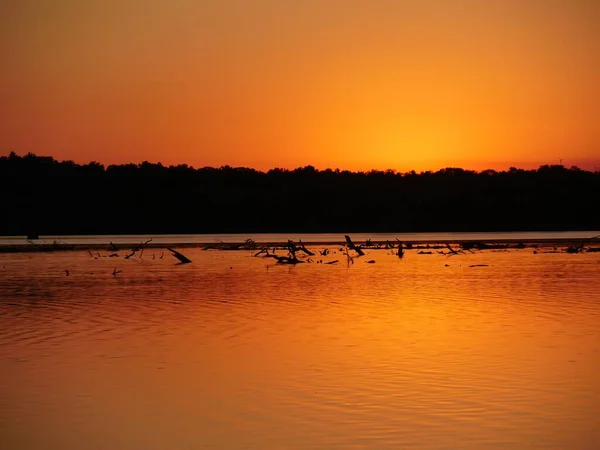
[[236, 352]]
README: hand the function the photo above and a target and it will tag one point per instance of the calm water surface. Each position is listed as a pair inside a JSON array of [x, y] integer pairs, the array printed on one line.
[[235, 352]]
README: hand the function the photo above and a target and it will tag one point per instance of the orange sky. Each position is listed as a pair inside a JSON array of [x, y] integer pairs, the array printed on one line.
[[413, 84]]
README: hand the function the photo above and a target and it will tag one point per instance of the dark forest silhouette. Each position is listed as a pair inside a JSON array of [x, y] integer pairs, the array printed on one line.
[[46, 196]]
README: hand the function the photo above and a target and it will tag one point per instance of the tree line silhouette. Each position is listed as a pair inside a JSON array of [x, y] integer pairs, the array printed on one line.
[[45, 196]]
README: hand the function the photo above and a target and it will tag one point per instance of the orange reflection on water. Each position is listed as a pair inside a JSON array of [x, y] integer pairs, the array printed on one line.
[[233, 351]]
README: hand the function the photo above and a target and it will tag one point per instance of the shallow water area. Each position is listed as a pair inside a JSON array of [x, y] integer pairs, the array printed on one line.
[[495, 349]]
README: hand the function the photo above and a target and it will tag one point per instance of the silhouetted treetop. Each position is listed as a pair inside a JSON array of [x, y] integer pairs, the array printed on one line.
[[52, 197]]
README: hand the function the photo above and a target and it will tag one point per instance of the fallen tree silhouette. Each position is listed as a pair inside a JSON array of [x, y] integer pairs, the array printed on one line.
[[299, 247], [581, 247], [139, 248], [351, 246], [291, 257], [182, 258]]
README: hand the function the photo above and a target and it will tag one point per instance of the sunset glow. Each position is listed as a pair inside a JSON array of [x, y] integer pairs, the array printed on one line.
[[275, 83]]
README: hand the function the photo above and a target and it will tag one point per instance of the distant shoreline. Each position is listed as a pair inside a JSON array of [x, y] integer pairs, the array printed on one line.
[[62, 198], [249, 245]]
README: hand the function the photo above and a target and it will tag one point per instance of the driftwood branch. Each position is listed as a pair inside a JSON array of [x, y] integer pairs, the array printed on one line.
[[182, 258], [138, 248], [452, 251], [290, 259], [579, 248], [293, 248], [351, 246], [261, 251], [350, 260], [302, 248]]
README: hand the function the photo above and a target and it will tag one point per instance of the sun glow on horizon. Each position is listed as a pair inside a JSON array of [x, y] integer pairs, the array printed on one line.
[[401, 85]]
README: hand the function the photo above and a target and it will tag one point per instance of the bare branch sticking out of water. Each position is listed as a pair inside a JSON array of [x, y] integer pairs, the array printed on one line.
[[293, 248], [452, 251], [139, 248], [261, 251], [474, 245], [302, 248], [285, 259], [291, 258], [349, 259], [351, 245], [182, 258], [400, 249], [581, 247]]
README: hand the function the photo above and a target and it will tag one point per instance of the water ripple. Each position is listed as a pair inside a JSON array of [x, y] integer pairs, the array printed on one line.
[[487, 350]]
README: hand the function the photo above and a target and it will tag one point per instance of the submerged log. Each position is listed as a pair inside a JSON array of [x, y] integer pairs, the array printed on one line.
[[139, 248], [452, 251], [581, 247], [302, 248], [350, 260], [400, 250], [298, 247], [290, 259], [262, 250], [182, 258], [474, 245], [351, 246]]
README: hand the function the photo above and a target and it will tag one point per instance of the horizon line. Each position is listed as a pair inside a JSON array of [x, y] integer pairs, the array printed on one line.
[[529, 166]]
